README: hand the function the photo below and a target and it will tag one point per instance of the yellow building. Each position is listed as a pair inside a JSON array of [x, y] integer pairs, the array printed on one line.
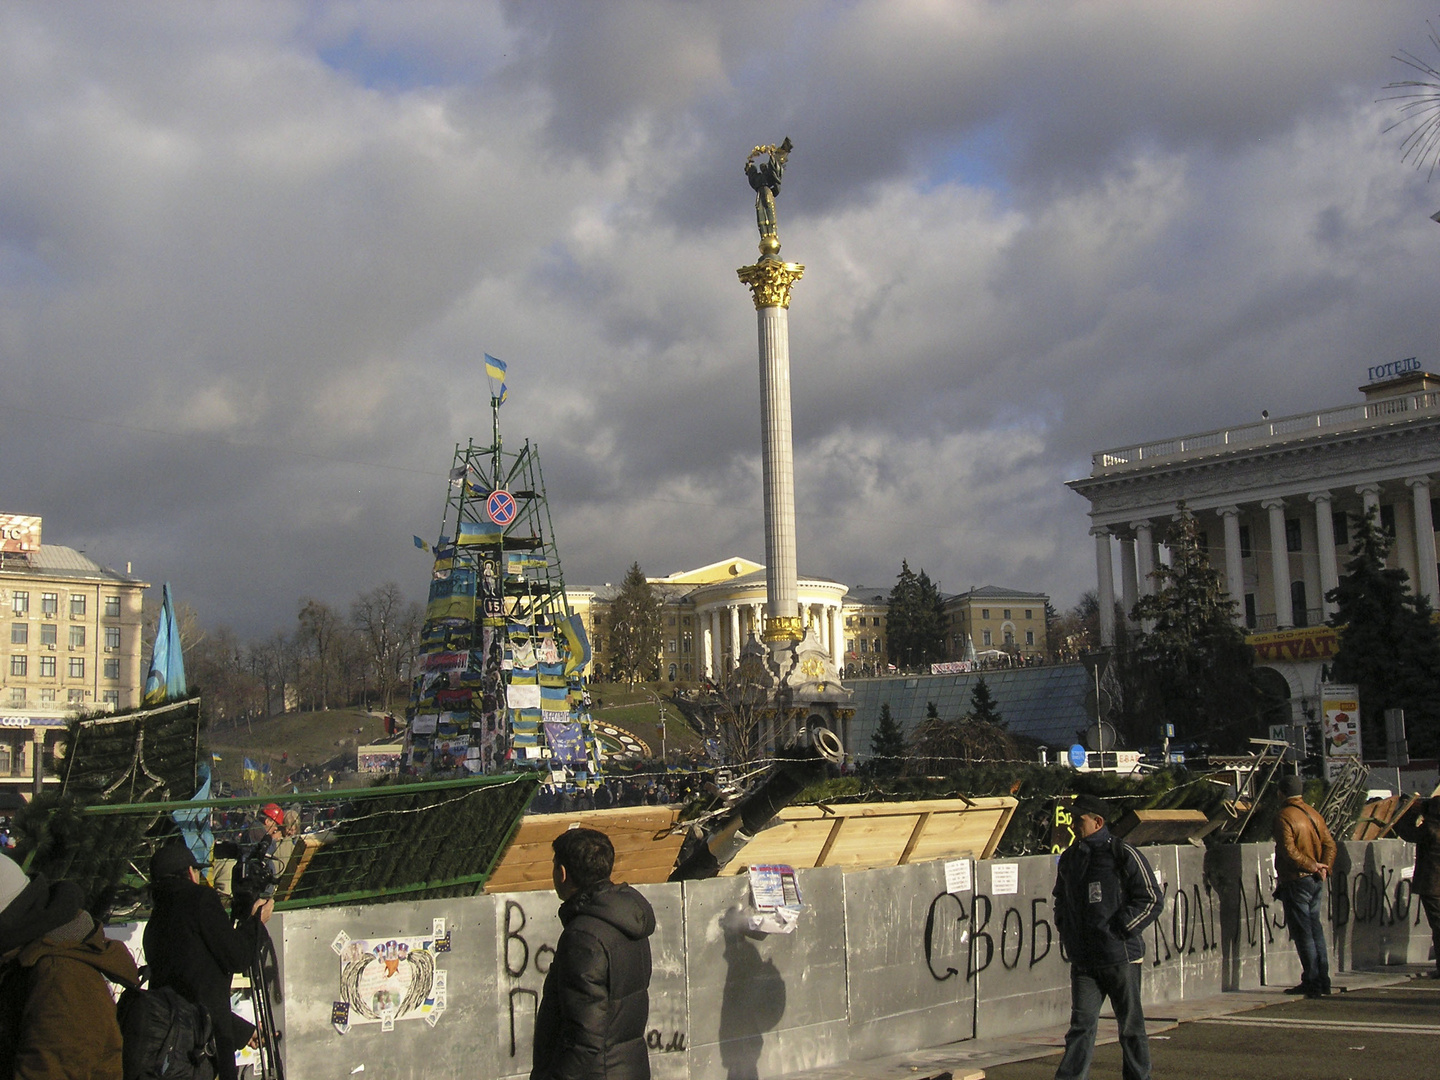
[[993, 621], [74, 640]]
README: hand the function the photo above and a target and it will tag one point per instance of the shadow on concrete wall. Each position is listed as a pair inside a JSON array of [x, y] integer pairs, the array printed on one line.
[[753, 1002]]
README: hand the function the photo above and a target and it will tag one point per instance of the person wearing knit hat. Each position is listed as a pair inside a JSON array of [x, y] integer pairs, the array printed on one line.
[[61, 959], [1105, 896], [1426, 883], [1304, 853]]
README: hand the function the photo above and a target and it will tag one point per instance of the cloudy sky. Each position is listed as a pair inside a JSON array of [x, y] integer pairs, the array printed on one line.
[[251, 255]]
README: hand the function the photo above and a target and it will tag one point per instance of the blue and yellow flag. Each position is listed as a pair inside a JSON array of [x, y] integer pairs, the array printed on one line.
[[166, 681], [496, 370], [249, 771], [421, 544]]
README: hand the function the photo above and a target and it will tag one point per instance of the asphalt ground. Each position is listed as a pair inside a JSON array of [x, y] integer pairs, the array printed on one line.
[[1374, 1033]]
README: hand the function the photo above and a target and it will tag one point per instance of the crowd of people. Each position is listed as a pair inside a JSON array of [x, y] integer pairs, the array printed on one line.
[[57, 967]]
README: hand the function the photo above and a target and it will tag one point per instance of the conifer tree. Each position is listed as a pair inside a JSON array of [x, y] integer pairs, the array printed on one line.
[[635, 626], [1189, 664], [915, 621], [1389, 647], [982, 705], [887, 745]]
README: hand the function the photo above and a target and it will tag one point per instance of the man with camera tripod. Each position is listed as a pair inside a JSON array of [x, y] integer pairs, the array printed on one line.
[[194, 948]]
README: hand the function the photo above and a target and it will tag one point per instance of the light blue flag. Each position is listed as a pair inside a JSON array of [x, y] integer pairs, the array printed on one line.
[[494, 368], [166, 681], [195, 822]]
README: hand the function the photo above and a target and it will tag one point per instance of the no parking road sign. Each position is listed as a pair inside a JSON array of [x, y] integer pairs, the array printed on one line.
[[500, 507]]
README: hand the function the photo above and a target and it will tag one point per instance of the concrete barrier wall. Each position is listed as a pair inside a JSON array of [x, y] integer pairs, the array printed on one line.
[[903, 991], [882, 961]]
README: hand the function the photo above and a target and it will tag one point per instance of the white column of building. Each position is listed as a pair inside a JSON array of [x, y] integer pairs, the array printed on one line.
[[734, 635], [1144, 557], [1325, 538], [837, 638], [1128, 594], [757, 620], [1105, 579], [707, 652], [717, 645], [1424, 539], [1279, 564], [1370, 493], [1234, 564]]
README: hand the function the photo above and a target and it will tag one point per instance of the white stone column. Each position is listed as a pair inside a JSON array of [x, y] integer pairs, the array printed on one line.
[[837, 638], [1325, 539], [778, 460], [1128, 580], [757, 620], [707, 650], [717, 646], [1144, 557], [1234, 564], [1370, 493], [1105, 580], [1279, 564], [1427, 575], [734, 635]]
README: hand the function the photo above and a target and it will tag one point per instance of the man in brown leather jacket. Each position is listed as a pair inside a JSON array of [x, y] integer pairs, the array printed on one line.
[[1304, 854]]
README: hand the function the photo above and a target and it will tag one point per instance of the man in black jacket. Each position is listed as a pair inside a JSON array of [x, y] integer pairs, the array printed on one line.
[[194, 948], [1105, 895], [596, 1001]]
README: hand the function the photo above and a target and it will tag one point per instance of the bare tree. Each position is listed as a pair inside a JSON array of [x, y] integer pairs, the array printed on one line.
[[379, 617], [320, 627]]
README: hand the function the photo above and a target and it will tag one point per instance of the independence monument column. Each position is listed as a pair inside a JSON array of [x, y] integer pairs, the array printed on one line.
[[769, 281]]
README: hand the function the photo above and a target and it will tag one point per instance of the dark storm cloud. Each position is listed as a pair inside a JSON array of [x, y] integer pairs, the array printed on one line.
[[250, 257]]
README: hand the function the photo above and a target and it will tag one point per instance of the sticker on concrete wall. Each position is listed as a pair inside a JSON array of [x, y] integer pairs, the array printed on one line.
[[1004, 879], [957, 876], [382, 981]]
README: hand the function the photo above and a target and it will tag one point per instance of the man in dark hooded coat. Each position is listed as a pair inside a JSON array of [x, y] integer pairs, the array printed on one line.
[[596, 1001]]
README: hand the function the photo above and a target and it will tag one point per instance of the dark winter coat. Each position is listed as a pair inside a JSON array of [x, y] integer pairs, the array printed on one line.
[[1427, 858], [596, 1001], [193, 948], [1105, 896], [54, 962]]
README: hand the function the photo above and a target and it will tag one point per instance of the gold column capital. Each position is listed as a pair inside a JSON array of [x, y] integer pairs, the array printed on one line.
[[770, 280], [783, 628]]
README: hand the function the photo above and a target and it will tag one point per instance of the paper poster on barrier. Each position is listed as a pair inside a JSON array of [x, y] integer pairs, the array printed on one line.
[[383, 981]]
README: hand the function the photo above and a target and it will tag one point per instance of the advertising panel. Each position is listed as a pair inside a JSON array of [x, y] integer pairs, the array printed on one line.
[[1339, 726], [19, 532]]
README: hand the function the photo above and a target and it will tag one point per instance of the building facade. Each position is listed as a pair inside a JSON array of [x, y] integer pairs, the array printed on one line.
[[74, 639], [995, 621], [1276, 502], [709, 613]]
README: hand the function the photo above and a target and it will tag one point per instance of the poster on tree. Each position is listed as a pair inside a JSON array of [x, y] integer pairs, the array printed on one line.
[[1339, 726]]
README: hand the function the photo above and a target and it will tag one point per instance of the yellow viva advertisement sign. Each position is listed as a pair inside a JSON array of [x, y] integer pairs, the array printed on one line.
[[1307, 643], [1339, 725]]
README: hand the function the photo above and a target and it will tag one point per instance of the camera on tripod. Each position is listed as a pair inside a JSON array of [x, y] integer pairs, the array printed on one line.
[[256, 873]]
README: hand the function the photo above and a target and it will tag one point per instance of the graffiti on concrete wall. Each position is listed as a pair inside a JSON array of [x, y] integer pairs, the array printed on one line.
[[387, 979]]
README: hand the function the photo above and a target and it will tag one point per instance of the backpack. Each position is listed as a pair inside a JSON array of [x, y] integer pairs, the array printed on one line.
[[14, 989], [166, 1037]]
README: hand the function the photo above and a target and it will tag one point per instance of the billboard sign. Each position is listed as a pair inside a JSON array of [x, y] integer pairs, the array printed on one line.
[[1340, 726], [19, 532]]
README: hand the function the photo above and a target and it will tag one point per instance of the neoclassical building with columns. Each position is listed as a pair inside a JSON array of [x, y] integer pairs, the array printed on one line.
[[1276, 501], [709, 613]]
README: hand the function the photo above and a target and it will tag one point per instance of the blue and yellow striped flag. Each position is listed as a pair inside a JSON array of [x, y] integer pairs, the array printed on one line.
[[496, 370]]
